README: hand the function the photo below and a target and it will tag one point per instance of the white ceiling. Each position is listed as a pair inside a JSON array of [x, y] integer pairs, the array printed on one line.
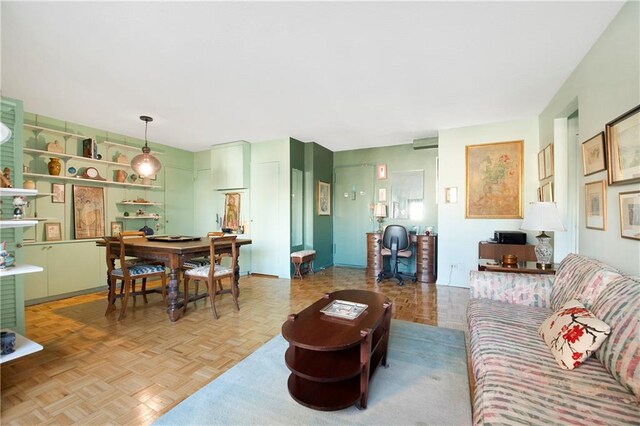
[[343, 74]]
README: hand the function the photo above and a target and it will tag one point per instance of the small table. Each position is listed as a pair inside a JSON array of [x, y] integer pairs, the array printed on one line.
[[521, 267], [332, 359]]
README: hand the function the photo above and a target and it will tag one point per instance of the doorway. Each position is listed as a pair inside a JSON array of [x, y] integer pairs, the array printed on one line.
[[265, 181]]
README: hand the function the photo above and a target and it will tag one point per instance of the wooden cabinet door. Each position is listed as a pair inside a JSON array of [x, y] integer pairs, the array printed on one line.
[[72, 267], [35, 285]]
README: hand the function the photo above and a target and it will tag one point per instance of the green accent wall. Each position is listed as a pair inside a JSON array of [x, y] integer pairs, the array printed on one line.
[[318, 229]]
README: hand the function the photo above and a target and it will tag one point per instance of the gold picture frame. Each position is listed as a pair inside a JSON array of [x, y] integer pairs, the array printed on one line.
[[231, 219], [57, 192], [547, 192], [541, 174], [630, 214], [53, 231], [593, 157], [88, 212], [494, 180], [548, 161], [324, 198], [116, 228], [623, 148], [595, 205]]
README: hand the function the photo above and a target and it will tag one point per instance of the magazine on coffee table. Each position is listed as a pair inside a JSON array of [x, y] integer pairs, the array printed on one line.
[[344, 309]]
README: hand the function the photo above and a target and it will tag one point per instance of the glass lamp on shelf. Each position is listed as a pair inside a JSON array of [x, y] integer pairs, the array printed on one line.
[[542, 216], [380, 212]]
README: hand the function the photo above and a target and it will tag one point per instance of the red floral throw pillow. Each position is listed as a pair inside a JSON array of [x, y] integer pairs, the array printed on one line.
[[572, 334]]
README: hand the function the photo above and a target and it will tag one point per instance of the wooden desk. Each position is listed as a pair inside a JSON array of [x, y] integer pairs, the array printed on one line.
[[525, 252], [521, 268], [426, 256], [173, 255]]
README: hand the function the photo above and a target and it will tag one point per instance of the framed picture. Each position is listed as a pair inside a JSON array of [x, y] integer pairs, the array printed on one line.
[[451, 195], [57, 193], [231, 217], [539, 193], [52, 231], [382, 195], [623, 148], [88, 212], [595, 208], [382, 171], [630, 214], [593, 155], [547, 192], [324, 198], [541, 172], [116, 228], [494, 180], [548, 161]]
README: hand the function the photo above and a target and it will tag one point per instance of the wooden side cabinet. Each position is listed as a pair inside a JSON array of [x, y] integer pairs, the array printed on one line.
[[426, 258], [374, 253]]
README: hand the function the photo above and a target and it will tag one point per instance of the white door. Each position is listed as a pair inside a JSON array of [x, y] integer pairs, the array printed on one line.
[[265, 193]]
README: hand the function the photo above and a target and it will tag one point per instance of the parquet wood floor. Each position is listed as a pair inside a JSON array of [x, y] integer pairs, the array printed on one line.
[[97, 370]]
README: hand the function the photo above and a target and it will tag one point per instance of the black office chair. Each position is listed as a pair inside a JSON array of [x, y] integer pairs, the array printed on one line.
[[395, 243]]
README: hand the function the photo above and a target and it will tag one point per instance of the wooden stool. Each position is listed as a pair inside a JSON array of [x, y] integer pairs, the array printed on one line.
[[298, 258]]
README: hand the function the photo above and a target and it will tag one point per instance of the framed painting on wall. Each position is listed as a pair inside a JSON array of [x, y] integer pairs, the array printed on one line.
[[57, 192], [382, 171], [116, 228], [231, 219], [623, 147], [541, 172], [593, 155], [382, 195], [53, 231], [548, 161], [88, 212], [595, 208], [324, 198], [547, 192], [494, 180], [630, 214]]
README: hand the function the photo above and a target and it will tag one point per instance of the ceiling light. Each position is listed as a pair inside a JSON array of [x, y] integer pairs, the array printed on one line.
[[145, 164]]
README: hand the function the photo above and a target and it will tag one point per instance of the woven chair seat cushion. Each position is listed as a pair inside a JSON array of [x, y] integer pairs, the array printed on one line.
[[203, 271], [197, 262], [139, 269], [401, 253]]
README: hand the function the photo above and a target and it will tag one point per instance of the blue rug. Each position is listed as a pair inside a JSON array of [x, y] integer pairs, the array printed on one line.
[[426, 384]]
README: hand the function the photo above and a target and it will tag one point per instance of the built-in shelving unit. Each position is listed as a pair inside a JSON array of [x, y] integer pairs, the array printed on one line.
[[128, 147], [92, 181], [138, 217], [19, 270], [24, 347], [17, 223], [17, 192], [138, 203]]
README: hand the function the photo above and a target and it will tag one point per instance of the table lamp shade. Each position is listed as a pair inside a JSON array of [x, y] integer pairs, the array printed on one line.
[[543, 216], [380, 210]]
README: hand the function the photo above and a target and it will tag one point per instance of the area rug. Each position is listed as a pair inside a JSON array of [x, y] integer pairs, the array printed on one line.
[[426, 383]]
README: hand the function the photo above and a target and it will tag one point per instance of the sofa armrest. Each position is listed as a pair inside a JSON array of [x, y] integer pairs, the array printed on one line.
[[521, 289]]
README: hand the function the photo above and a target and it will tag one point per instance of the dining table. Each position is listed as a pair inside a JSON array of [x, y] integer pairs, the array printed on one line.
[[173, 254]]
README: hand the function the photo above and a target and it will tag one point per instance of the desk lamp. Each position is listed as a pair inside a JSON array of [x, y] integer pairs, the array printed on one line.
[[380, 212], [542, 216]]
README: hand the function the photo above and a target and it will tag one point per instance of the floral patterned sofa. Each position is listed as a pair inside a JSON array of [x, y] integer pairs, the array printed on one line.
[[518, 381]]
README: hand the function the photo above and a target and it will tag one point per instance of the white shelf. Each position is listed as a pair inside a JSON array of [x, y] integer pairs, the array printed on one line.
[[16, 192], [17, 223], [59, 132], [129, 147], [24, 347], [138, 217], [39, 219], [44, 243], [66, 157], [19, 270], [102, 182], [136, 203]]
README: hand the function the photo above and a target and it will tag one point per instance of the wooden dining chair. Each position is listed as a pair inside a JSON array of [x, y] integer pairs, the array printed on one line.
[[197, 262], [128, 272], [214, 273]]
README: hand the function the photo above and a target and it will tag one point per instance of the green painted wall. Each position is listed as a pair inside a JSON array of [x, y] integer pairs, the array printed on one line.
[[318, 229]]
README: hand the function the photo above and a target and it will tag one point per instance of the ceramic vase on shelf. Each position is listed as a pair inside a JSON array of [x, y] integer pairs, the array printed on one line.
[[54, 166]]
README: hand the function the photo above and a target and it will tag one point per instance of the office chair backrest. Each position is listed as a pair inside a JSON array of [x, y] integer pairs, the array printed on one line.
[[397, 234]]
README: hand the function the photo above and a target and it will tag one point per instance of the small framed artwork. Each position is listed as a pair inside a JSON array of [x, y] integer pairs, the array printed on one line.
[[630, 214], [231, 217], [382, 171], [88, 212], [539, 193], [541, 172], [116, 228], [593, 155], [595, 208], [382, 195], [451, 195], [52, 231], [324, 198], [57, 193], [623, 148], [547, 192], [548, 161]]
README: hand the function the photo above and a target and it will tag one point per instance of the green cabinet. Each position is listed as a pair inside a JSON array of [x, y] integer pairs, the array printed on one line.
[[69, 268], [230, 165]]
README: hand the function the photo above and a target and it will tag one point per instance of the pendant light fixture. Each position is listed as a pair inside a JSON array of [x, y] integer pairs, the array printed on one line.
[[145, 164]]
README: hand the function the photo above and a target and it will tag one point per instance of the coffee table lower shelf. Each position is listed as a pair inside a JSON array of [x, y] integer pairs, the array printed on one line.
[[324, 396]]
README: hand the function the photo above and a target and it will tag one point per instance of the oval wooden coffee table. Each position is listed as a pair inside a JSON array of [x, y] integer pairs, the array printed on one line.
[[332, 359]]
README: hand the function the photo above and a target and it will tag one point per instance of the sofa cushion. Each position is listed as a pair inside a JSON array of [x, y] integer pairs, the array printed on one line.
[[619, 306], [582, 278], [572, 334], [508, 399]]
